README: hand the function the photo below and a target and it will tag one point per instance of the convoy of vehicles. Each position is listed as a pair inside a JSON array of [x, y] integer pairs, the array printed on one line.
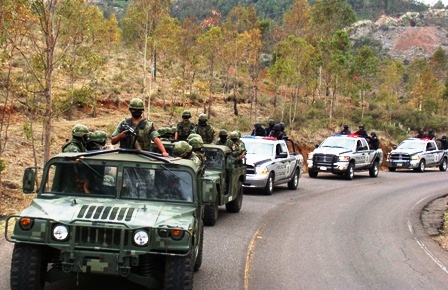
[[417, 154], [269, 163], [344, 155]]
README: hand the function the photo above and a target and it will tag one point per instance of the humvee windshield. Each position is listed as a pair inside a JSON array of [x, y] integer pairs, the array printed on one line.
[[119, 182], [214, 158]]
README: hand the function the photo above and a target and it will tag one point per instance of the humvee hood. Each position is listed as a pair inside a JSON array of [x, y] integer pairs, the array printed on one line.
[[330, 150], [132, 213]]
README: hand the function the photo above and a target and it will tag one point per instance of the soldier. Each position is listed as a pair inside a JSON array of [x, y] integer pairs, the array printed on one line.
[[222, 137], [431, 135], [197, 144], [236, 145], [345, 131], [96, 140], [137, 132], [78, 143], [277, 132], [184, 127], [205, 130], [361, 132], [443, 142], [271, 127], [420, 134], [283, 126], [374, 141], [258, 130], [185, 151], [163, 134]]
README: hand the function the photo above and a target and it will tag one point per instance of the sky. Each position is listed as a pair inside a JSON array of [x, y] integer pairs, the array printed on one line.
[[432, 2]]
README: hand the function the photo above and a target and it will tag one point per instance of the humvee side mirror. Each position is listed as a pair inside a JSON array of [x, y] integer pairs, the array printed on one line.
[[208, 194], [29, 179]]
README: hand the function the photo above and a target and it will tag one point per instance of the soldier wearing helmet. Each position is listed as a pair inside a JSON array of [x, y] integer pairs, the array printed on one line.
[[236, 145], [271, 123], [277, 132], [345, 130], [431, 135], [258, 130], [362, 132], [205, 130], [222, 137], [78, 143], [137, 132], [197, 143], [184, 127], [185, 151], [374, 141], [96, 140], [420, 134]]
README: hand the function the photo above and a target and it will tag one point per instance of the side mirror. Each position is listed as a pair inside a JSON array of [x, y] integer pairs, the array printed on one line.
[[395, 147], [29, 179], [317, 145], [208, 194]]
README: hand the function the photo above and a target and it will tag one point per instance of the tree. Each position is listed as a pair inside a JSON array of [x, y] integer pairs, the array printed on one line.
[[390, 78]]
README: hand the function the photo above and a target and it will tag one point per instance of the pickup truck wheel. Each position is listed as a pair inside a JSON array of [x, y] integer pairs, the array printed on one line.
[[443, 165], [421, 166], [392, 169], [235, 205], [28, 267], [294, 182], [312, 173], [179, 272], [198, 261], [373, 171], [269, 185], [350, 173], [210, 214]]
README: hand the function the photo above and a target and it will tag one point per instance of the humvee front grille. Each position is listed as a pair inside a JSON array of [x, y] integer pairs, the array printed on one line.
[[101, 237], [400, 157], [106, 213]]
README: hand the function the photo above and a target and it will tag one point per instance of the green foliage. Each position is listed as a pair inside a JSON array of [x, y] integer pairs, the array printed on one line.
[[3, 165], [27, 130]]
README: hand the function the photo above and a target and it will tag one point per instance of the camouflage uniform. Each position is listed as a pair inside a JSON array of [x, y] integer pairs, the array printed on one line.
[[222, 137], [184, 128], [184, 150], [205, 130], [78, 141], [236, 145], [197, 144], [96, 140]]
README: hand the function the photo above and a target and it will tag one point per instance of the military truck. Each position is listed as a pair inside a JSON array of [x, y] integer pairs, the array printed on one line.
[[225, 175], [120, 212]]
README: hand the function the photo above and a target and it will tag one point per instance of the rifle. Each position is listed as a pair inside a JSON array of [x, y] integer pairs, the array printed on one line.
[[130, 132]]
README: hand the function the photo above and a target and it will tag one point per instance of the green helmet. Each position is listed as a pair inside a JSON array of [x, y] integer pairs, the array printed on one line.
[[136, 104], [193, 135], [196, 143], [239, 133], [234, 134], [79, 130], [203, 117], [173, 130], [186, 114], [97, 136], [181, 148], [222, 132], [161, 131]]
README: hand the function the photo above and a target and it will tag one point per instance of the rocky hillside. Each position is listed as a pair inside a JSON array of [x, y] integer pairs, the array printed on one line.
[[408, 36]]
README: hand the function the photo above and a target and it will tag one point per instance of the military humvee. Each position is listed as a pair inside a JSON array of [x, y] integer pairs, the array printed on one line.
[[225, 175], [113, 212]]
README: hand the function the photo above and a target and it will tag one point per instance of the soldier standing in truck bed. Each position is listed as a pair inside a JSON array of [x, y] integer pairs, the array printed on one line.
[[184, 127], [205, 130]]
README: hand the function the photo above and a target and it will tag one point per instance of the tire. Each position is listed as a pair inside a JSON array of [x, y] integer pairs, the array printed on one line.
[[211, 213], [350, 173], [198, 260], [374, 170], [28, 267], [236, 204], [294, 182], [312, 173], [269, 187], [421, 166], [179, 272], [392, 169], [443, 165]]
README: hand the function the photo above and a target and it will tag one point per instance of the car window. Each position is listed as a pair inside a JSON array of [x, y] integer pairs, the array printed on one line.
[[262, 149]]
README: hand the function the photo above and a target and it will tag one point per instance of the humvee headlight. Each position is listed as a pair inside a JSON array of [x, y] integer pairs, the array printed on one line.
[[177, 234], [261, 170], [26, 223], [141, 238], [60, 233]]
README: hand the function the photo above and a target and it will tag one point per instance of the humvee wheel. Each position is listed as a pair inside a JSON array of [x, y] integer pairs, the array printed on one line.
[[198, 261], [179, 272], [350, 173], [312, 173], [294, 182], [28, 267], [443, 165], [211, 213], [235, 205], [373, 171], [267, 190]]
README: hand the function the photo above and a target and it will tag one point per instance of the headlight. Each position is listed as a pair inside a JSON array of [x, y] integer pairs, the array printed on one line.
[[177, 234], [344, 158], [60, 233], [310, 155], [26, 223], [141, 238], [261, 170], [415, 157]]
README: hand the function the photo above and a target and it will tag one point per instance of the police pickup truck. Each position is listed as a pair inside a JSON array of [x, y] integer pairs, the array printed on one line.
[[269, 163], [417, 154], [343, 155]]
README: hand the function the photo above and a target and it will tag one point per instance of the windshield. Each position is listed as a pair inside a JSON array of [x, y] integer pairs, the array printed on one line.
[[262, 149], [415, 145], [130, 182], [214, 158], [338, 143]]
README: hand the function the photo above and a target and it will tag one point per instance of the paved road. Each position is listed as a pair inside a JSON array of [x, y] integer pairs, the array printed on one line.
[[329, 234]]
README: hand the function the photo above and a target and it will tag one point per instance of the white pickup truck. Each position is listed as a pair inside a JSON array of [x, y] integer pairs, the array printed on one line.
[[270, 163], [417, 154], [343, 155]]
